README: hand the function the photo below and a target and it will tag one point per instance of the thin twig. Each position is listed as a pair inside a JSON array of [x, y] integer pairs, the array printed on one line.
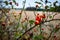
[[50, 35], [26, 31], [35, 26]]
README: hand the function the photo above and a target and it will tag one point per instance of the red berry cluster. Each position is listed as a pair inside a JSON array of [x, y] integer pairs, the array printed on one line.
[[39, 18], [37, 6]]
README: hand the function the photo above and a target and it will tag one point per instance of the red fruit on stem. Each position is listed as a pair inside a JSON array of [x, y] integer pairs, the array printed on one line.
[[16, 4], [37, 14], [20, 13], [42, 28], [43, 16], [25, 18], [57, 26], [37, 6], [54, 36], [38, 19], [37, 22], [10, 3], [3, 24]]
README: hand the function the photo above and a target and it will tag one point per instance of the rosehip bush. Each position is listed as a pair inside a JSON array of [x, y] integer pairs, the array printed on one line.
[[18, 25]]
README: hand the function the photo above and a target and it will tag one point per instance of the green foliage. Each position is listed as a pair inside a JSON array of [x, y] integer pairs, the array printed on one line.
[[46, 7], [50, 16], [41, 0], [56, 30], [25, 24], [31, 21], [38, 2], [6, 2], [38, 37], [14, 1], [55, 3], [18, 25], [17, 34], [55, 9]]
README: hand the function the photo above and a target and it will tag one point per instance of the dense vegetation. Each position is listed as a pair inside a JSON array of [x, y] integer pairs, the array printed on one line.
[[44, 26]]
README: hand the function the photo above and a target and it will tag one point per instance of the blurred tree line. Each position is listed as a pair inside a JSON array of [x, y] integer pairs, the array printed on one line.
[[52, 7], [55, 8]]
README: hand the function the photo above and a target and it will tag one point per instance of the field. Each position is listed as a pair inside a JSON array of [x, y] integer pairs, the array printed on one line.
[[17, 24]]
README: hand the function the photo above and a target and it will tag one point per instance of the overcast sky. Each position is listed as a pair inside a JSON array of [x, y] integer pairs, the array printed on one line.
[[29, 3]]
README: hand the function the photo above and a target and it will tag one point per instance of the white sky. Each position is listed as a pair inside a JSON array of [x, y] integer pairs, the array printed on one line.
[[29, 3]]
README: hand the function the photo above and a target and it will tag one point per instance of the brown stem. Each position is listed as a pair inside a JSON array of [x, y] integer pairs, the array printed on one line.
[[26, 31], [50, 35], [35, 26]]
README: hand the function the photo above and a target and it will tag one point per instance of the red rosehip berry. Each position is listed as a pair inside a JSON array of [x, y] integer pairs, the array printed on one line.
[[37, 22], [37, 14], [20, 13], [43, 16], [42, 29], [16, 4], [10, 3], [25, 18], [54, 36], [37, 6], [38, 19], [57, 26], [3, 24], [31, 34]]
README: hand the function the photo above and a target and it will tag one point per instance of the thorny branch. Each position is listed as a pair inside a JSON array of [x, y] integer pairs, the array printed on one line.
[[35, 26]]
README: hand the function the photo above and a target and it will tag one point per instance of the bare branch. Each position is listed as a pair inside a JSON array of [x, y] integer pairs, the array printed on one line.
[[35, 26]]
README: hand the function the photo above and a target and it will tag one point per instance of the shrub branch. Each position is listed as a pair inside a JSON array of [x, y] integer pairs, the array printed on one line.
[[35, 26]]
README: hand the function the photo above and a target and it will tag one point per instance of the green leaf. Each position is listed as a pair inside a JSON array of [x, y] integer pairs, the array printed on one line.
[[41, 0], [56, 30], [14, 1], [46, 7], [6, 2], [16, 35], [26, 24], [37, 2], [39, 37], [31, 21], [50, 16]]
